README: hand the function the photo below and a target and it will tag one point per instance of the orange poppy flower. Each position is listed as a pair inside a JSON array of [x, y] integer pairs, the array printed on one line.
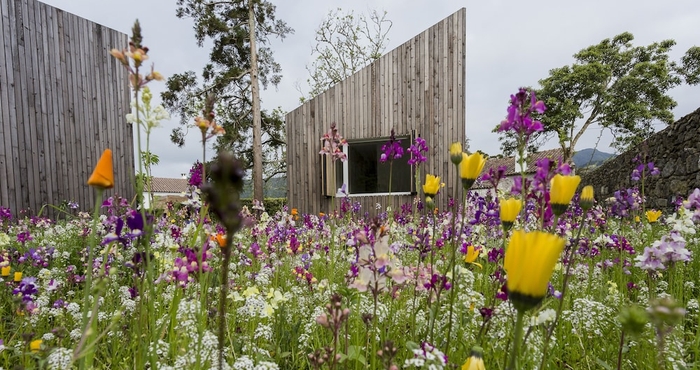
[[220, 239], [103, 175]]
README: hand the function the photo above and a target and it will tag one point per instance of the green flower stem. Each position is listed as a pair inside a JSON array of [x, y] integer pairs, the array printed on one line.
[[619, 350], [86, 363], [390, 214], [569, 257], [453, 261], [223, 296], [518, 335]]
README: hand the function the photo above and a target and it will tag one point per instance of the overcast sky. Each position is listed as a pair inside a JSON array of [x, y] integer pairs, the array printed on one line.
[[509, 44]]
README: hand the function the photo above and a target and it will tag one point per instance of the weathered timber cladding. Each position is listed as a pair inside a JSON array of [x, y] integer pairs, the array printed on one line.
[[63, 100], [417, 87]]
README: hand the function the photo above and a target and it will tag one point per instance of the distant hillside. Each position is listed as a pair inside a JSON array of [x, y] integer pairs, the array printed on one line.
[[590, 157], [276, 187]]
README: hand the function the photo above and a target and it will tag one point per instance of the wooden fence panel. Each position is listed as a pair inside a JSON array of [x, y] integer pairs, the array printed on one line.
[[417, 87], [63, 100]]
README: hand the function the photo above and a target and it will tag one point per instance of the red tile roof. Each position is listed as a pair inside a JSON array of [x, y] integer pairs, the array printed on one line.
[[509, 163], [169, 185]]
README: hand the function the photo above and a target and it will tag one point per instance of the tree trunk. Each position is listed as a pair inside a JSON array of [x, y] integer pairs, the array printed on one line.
[[257, 120]]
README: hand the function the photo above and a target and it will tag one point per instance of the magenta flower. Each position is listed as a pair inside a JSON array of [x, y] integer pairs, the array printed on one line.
[[392, 149], [417, 151], [519, 112], [195, 177]]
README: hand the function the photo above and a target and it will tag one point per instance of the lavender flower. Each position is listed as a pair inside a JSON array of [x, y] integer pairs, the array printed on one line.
[[669, 250]]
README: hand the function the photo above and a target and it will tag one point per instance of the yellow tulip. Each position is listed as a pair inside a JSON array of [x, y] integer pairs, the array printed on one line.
[[529, 263], [103, 175], [510, 208], [470, 168], [35, 345], [471, 256], [5, 271], [563, 189], [586, 200], [432, 185], [653, 216], [456, 153], [475, 360], [18, 276]]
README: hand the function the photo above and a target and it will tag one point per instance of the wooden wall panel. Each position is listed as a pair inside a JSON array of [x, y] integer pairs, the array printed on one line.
[[419, 86], [63, 100]]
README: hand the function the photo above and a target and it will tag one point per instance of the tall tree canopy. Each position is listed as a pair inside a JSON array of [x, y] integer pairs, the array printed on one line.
[[345, 43], [228, 75], [615, 85]]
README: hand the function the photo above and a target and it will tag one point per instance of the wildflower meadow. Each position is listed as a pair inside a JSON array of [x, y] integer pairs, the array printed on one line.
[[541, 275]]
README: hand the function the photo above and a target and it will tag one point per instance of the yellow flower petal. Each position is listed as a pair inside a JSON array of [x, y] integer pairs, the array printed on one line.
[[529, 263]]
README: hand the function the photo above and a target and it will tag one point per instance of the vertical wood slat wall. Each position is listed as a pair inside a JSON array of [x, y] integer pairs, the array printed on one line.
[[418, 86], [63, 100]]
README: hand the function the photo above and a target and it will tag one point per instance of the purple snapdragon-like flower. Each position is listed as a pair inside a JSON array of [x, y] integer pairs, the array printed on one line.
[[24, 237], [26, 289], [494, 176], [195, 176], [417, 151], [625, 202], [643, 169], [662, 253], [391, 149], [135, 223], [522, 105], [693, 204]]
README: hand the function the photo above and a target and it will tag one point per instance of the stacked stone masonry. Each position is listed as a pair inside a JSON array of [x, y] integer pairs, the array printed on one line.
[[674, 150]]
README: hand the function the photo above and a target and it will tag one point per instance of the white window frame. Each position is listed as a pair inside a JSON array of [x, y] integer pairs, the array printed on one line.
[[346, 171]]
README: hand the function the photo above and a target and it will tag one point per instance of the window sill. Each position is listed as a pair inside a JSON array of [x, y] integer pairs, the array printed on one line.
[[341, 195]]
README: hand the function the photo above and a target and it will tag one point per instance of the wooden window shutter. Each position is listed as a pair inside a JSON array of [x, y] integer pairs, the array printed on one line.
[[328, 182]]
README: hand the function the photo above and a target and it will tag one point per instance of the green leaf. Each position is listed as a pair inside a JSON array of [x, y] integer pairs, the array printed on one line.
[[355, 353], [603, 364]]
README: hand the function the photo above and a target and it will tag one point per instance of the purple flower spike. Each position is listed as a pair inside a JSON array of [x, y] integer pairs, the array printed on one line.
[[519, 111]]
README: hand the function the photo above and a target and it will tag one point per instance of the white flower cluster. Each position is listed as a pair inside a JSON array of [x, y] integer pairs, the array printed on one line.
[[589, 318], [427, 357], [306, 338], [60, 359], [246, 363], [203, 348], [263, 332], [159, 348], [187, 313]]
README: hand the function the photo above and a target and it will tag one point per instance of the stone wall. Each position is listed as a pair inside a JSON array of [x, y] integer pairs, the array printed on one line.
[[674, 150]]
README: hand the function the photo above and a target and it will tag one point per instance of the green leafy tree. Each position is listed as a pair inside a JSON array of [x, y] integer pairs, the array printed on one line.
[[345, 43], [615, 85], [240, 62]]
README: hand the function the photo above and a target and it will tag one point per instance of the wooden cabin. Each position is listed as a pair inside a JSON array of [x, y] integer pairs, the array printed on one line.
[[63, 100], [417, 89]]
